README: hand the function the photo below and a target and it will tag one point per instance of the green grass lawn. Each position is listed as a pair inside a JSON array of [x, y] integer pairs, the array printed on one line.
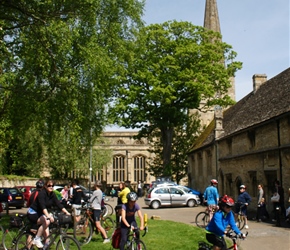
[[164, 234], [161, 234]]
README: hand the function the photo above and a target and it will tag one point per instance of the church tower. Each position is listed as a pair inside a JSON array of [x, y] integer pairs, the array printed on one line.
[[212, 22]]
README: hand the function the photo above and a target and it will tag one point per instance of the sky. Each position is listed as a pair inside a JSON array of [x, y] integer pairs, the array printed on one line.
[[258, 30]]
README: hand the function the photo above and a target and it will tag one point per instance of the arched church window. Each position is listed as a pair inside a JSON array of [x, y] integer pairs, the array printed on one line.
[[118, 168], [139, 168]]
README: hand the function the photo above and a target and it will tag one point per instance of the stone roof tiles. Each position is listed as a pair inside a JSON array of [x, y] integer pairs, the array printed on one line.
[[271, 100]]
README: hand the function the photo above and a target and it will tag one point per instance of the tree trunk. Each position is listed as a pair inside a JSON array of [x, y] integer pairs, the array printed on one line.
[[167, 135]]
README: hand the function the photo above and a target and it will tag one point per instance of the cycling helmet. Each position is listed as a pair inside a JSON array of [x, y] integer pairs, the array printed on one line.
[[39, 184], [226, 200], [243, 186], [213, 181], [132, 196]]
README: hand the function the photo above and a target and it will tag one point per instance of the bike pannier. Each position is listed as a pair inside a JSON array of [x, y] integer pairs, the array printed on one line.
[[16, 221], [116, 238], [64, 219]]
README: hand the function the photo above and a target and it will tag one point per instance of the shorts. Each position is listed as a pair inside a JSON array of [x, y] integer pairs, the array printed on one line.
[[76, 209], [33, 219], [218, 241], [97, 214]]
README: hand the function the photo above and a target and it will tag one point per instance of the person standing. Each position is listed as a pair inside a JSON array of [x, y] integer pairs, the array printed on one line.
[[139, 189], [96, 200], [280, 191], [211, 197], [260, 203], [243, 199], [76, 200]]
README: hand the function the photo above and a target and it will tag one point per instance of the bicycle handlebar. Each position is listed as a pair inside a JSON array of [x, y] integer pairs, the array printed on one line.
[[231, 235]]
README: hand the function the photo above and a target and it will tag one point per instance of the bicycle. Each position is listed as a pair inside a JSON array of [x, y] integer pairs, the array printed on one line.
[[202, 218], [109, 209], [240, 219], [18, 225], [83, 230], [57, 238], [133, 243], [234, 237], [2, 231]]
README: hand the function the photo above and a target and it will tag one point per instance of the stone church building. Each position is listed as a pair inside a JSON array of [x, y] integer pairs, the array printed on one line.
[[249, 143]]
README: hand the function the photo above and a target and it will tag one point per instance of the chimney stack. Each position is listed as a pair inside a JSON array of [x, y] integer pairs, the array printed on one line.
[[258, 80], [218, 115]]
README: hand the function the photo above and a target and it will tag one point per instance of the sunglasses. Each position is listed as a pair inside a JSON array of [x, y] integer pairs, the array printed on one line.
[[227, 206], [50, 186]]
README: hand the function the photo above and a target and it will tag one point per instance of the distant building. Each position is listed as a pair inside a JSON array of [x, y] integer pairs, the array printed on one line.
[[129, 160], [249, 143]]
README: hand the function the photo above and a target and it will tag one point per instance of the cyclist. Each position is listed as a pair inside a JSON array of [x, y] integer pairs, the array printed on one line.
[[211, 197], [243, 199], [76, 200], [96, 200], [38, 211], [128, 218], [221, 219]]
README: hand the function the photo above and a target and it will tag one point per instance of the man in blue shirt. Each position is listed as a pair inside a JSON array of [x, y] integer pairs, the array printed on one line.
[[211, 197]]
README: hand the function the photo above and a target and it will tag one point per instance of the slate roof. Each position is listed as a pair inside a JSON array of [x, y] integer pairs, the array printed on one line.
[[271, 100]]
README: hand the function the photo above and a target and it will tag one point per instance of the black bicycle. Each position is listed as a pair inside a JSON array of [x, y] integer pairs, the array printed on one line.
[[134, 243], [57, 238]]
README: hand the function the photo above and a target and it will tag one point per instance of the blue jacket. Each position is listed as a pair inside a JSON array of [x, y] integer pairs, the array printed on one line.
[[244, 198], [220, 221], [211, 195]]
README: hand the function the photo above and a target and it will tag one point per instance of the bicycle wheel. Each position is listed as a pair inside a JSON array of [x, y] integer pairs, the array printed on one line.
[[137, 245], [202, 219], [83, 231], [67, 243], [9, 238], [25, 241], [2, 231], [109, 225], [241, 222], [109, 209]]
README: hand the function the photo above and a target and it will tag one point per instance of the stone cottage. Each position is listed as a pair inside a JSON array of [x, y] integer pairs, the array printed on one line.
[[249, 143]]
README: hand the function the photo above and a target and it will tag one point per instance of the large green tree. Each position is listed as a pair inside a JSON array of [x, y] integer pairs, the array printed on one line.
[[172, 67], [57, 66], [183, 138]]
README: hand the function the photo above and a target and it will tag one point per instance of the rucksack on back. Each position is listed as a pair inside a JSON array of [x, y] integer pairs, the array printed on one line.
[[116, 238]]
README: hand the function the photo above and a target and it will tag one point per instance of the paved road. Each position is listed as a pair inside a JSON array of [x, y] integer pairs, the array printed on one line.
[[261, 235]]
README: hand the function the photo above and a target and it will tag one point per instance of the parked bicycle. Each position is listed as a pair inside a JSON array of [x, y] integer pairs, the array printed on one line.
[[57, 239], [83, 230], [234, 237], [202, 218], [18, 225]]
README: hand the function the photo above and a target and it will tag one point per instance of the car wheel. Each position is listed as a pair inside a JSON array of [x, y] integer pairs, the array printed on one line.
[[155, 204], [191, 203]]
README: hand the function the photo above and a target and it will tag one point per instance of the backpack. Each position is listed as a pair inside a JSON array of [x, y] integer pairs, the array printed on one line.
[[32, 198], [116, 238]]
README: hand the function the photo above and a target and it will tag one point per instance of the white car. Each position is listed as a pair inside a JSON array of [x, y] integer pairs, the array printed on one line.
[[170, 196]]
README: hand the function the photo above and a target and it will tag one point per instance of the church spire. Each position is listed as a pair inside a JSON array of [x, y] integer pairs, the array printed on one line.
[[211, 17]]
